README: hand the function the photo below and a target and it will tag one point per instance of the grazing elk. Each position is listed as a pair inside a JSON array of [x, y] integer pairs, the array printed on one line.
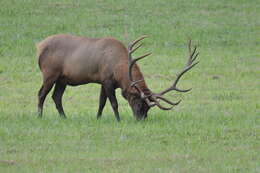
[[71, 60]]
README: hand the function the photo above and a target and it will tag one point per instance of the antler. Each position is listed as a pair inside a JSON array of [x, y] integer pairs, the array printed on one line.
[[188, 66], [131, 62], [156, 97]]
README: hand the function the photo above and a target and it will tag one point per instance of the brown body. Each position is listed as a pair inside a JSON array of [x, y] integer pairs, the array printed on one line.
[[72, 60]]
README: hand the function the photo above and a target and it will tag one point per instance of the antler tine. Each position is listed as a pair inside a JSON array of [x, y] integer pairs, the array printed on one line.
[[132, 51], [135, 82], [191, 58], [149, 103], [194, 58], [155, 98], [189, 46], [173, 87], [133, 61], [188, 66], [131, 45], [168, 101], [162, 107]]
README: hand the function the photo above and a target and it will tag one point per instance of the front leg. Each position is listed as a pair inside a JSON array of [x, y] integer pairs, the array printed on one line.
[[110, 92], [102, 101]]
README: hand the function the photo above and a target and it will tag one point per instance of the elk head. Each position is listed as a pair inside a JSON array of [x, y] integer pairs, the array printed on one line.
[[143, 99]]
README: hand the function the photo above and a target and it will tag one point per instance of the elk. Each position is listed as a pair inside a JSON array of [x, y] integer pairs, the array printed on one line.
[[73, 60]]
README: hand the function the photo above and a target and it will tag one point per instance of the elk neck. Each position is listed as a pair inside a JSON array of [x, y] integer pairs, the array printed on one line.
[[125, 83]]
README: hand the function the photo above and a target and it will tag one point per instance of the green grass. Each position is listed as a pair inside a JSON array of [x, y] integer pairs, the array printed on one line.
[[216, 128]]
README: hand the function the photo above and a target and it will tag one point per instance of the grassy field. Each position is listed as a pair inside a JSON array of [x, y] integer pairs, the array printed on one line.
[[216, 128]]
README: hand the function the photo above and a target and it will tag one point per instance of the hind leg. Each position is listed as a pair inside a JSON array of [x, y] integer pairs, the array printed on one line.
[[57, 97], [43, 92]]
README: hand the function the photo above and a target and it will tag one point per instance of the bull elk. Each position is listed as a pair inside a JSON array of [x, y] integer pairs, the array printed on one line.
[[72, 60]]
